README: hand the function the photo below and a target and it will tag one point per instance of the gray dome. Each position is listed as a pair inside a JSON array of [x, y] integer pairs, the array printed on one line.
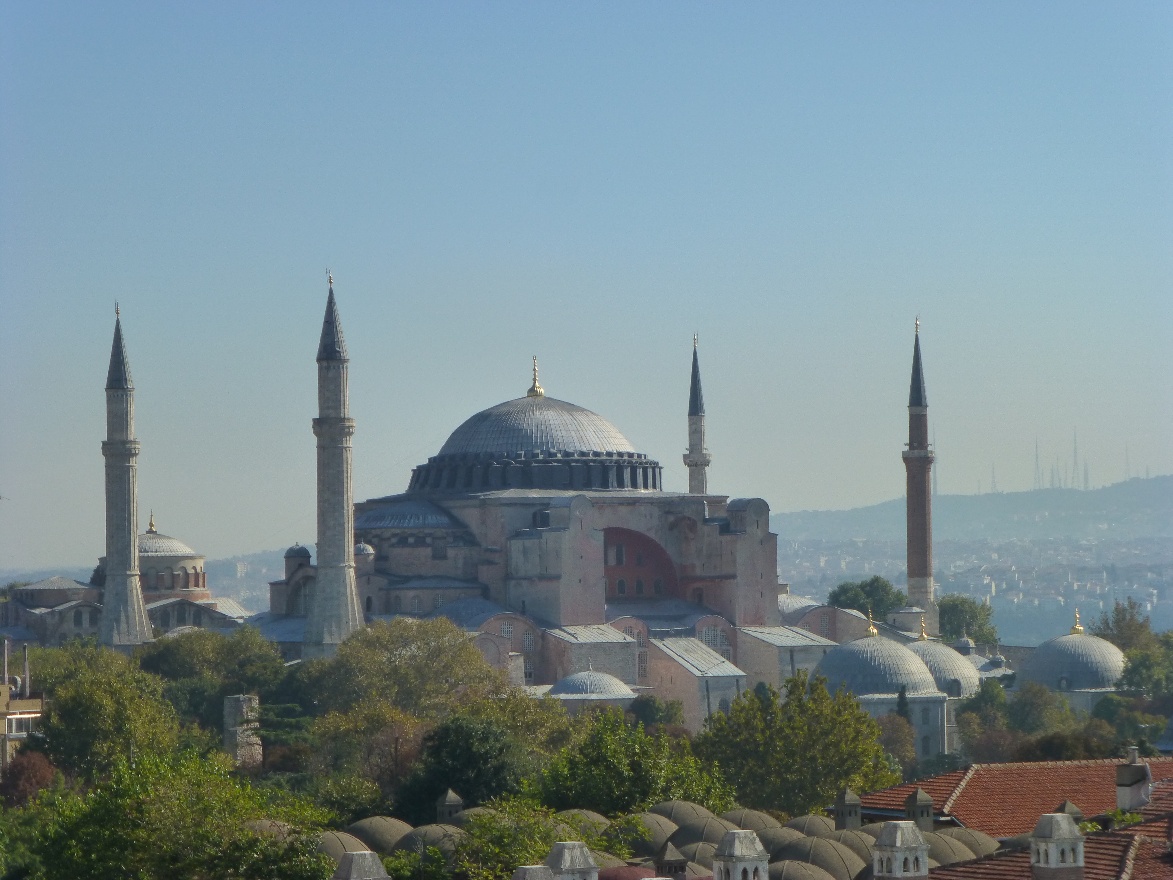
[[535, 424], [875, 665], [953, 673], [405, 513], [154, 544], [1074, 662], [592, 685], [297, 552], [380, 833], [363, 549]]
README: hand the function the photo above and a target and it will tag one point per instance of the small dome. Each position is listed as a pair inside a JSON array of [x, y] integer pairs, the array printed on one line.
[[335, 843], [443, 837], [700, 852], [954, 675], [978, 842], [812, 825], [362, 549], [947, 850], [406, 513], [834, 858], [702, 829], [591, 685], [875, 665], [154, 544], [535, 424], [596, 822], [791, 870], [680, 812], [965, 645], [856, 841], [751, 820], [1074, 662], [380, 833], [774, 839], [297, 552], [659, 829]]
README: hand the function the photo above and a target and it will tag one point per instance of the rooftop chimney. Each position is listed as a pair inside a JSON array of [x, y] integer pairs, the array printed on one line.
[[1134, 782]]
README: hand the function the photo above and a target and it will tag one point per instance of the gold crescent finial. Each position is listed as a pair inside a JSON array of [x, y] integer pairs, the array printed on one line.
[[924, 636], [151, 524], [872, 631], [536, 390], [1078, 628]]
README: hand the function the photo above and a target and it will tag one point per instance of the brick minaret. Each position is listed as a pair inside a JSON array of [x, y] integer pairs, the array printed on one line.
[[918, 465], [124, 617], [334, 611], [697, 458]]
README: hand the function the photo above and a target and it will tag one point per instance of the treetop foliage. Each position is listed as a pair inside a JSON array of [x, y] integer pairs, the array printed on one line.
[[794, 751], [876, 595], [962, 616]]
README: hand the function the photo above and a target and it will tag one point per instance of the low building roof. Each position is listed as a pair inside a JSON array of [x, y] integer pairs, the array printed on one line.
[[279, 627], [471, 611], [787, 636], [589, 633], [698, 658], [1004, 800]]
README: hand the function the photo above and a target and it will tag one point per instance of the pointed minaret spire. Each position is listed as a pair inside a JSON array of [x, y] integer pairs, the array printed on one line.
[[697, 459], [333, 346], [333, 611], [918, 465], [124, 622], [536, 390]]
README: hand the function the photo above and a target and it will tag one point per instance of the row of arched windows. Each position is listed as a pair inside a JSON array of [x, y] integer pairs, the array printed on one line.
[[167, 579]]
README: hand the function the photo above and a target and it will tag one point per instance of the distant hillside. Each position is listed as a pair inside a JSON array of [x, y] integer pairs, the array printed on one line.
[[1137, 508]]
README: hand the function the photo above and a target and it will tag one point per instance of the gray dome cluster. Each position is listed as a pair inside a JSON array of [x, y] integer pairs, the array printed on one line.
[[953, 673], [1074, 662], [875, 665]]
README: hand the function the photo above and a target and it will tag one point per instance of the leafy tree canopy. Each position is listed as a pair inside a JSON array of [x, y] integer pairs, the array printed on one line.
[[163, 817], [795, 751], [876, 594], [1037, 709], [1126, 627], [620, 768], [961, 616], [898, 739], [103, 709], [543, 725], [649, 711], [476, 758], [426, 668]]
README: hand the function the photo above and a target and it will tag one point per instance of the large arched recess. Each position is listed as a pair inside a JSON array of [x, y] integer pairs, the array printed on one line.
[[637, 567]]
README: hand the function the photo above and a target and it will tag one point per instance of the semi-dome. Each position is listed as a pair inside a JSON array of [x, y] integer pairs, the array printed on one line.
[[954, 674], [875, 665], [591, 685], [1074, 662], [536, 442]]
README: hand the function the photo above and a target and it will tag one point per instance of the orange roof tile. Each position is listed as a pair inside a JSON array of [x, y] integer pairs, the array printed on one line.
[[1007, 799], [1109, 856]]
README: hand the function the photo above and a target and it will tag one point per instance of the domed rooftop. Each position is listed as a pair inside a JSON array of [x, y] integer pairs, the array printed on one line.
[[535, 424], [875, 665], [1074, 662], [591, 685], [404, 513], [151, 543], [535, 442], [297, 552], [953, 673], [363, 549]]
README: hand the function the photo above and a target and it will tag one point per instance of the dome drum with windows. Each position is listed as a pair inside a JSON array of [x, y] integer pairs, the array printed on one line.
[[536, 442]]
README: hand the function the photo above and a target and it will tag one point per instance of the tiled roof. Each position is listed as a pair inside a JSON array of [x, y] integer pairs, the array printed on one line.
[[593, 632], [786, 636], [697, 657], [1105, 857], [1007, 799]]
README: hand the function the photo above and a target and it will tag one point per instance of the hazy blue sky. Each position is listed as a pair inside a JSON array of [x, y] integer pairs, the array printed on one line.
[[589, 183]]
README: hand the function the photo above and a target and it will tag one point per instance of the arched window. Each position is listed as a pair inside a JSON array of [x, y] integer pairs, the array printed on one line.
[[506, 629], [415, 604], [621, 587], [744, 874], [1046, 857], [906, 868], [1062, 856], [916, 863], [756, 874], [888, 865], [527, 641]]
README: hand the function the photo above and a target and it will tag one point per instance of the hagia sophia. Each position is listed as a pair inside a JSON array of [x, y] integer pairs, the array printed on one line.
[[544, 533]]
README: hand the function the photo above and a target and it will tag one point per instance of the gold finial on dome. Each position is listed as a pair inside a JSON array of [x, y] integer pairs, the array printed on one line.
[[536, 390], [1077, 630], [924, 636], [872, 631], [151, 524]]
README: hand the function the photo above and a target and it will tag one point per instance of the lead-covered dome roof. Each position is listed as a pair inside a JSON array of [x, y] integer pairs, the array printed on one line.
[[535, 424], [591, 685], [535, 442], [1073, 662], [875, 665], [953, 673], [151, 543]]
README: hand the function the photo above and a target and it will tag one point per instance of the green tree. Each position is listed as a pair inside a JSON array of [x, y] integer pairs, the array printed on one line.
[[620, 768], [898, 739], [961, 616], [1149, 670], [794, 751], [876, 595], [649, 710], [1036, 709], [542, 724], [476, 758], [374, 740], [103, 708], [163, 817], [1125, 627], [426, 668]]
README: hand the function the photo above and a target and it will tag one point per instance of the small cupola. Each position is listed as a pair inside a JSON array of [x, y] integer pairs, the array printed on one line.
[[571, 860], [741, 856], [670, 862], [447, 806], [1056, 848], [918, 808], [900, 851], [847, 807], [1134, 782]]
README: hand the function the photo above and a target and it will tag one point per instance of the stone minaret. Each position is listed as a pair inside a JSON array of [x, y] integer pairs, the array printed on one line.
[[124, 617], [334, 611], [697, 458], [918, 464]]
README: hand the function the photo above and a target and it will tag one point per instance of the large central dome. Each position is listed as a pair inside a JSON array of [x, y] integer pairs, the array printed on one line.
[[536, 442], [535, 424]]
